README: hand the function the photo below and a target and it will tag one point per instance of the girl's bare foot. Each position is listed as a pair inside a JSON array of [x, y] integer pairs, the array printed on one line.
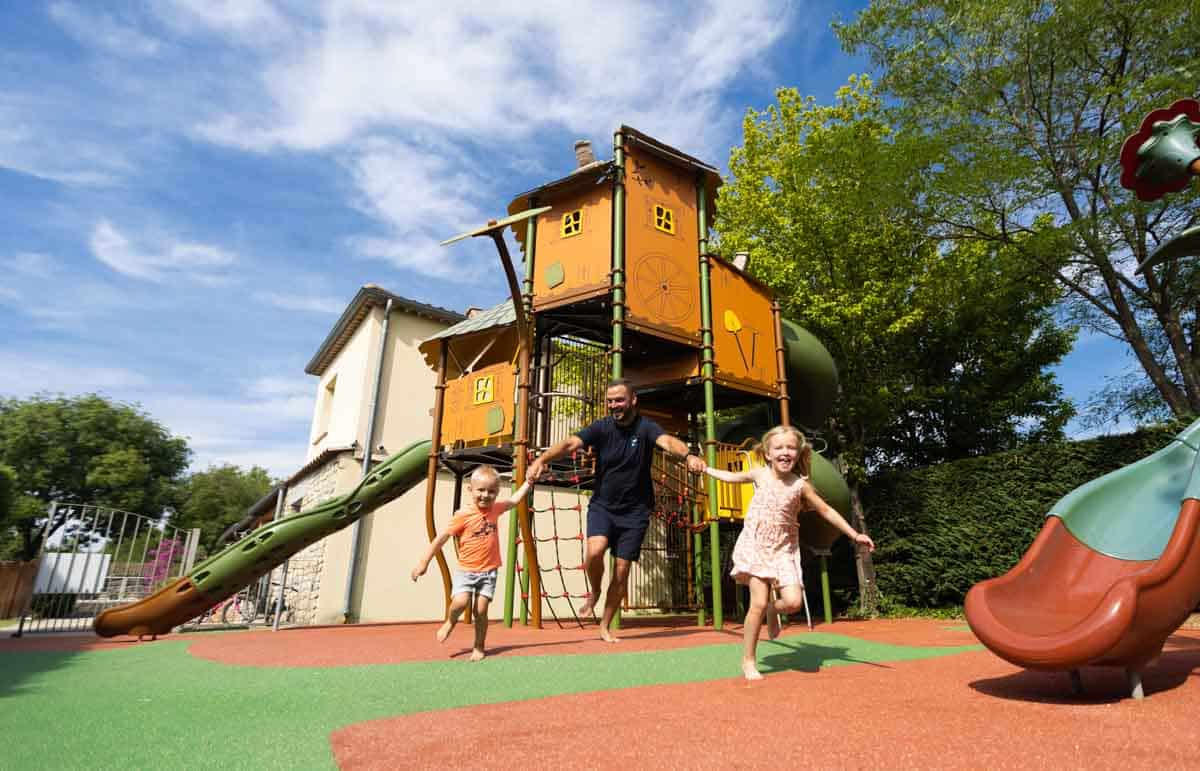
[[477, 655], [607, 636], [588, 606], [444, 630], [750, 670], [772, 625]]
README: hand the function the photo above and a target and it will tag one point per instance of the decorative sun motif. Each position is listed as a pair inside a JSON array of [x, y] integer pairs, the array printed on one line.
[[663, 287]]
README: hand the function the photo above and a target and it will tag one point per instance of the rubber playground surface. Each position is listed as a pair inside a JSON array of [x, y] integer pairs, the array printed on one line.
[[910, 693]]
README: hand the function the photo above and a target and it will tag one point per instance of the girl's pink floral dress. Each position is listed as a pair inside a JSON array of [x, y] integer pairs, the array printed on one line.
[[769, 544]]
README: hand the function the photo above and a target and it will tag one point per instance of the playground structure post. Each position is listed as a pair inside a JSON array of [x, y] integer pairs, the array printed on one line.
[[781, 365], [618, 255], [710, 428], [439, 404], [521, 428]]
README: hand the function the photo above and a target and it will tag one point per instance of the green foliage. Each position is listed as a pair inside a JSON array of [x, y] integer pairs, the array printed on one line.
[[8, 493], [942, 529], [941, 351], [213, 500], [85, 449], [1024, 107]]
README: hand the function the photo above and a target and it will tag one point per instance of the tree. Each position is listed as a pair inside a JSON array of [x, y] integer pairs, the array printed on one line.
[[8, 493], [1030, 102], [213, 500], [85, 449], [941, 352]]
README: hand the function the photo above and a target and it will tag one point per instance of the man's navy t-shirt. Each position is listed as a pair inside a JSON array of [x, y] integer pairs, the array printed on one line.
[[623, 455]]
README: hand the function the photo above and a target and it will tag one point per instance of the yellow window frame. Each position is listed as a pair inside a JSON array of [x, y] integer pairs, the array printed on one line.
[[664, 219], [483, 390], [572, 223]]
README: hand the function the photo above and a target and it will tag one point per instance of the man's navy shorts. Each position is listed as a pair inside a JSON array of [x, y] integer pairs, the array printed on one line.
[[624, 531]]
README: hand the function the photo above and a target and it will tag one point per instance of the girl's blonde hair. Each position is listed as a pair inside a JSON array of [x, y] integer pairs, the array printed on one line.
[[804, 462]]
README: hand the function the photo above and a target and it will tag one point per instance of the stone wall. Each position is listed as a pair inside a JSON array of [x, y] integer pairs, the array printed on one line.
[[304, 569]]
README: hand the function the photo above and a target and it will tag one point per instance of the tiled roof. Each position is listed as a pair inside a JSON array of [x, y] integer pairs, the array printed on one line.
[[497, 316], [368, 297]]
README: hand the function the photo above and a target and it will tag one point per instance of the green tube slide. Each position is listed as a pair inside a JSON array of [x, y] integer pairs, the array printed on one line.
[[812, 376], [237, 566]]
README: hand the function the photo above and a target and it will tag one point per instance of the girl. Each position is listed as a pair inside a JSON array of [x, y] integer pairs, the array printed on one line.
[[767, 552]]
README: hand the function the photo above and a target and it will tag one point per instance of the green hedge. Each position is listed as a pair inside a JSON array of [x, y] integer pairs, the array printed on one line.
[[942, 529]]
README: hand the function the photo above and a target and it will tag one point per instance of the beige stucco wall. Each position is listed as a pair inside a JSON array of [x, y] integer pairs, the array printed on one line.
[[352, 370]]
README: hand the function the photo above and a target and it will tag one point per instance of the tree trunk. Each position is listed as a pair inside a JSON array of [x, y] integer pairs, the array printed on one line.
[[868, 594]]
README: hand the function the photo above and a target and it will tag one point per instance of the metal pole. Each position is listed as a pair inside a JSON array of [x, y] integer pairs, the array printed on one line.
[[284, 570], [710, 427], [356, 528]]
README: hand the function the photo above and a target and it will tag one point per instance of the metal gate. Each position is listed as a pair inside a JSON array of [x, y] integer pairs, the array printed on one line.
[[97, 558]]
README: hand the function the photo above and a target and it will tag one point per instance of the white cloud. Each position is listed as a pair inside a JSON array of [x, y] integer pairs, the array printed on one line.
[[160, 259], [407, 95], [297, 302], [23, 375], [263, 422], [442, 66], [31, 264], [101, 30], [238, 16]]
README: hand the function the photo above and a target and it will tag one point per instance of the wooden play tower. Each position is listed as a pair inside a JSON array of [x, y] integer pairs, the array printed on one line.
[[618, 281]]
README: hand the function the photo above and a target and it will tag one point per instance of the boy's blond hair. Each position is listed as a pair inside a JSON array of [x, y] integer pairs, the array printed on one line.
[[804, 462], [484, 473]]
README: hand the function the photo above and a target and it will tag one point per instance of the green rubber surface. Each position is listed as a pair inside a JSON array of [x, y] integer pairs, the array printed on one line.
[[155, 706]]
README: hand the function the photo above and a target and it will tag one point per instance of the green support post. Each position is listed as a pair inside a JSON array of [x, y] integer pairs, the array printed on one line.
[[825, 601], [697, 564], [618, 286], [710, 428]]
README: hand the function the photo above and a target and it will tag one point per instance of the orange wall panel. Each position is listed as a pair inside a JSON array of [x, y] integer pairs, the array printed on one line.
[[743, 330], [475, 420], [662, 275], [570, 266]]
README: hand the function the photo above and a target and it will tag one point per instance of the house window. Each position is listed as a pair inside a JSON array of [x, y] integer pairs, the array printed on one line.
[[572, 223], [664, 219], [325, 413], [483, 390]]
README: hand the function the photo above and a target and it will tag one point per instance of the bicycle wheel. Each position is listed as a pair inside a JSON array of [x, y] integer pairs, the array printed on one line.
[[239, 610]]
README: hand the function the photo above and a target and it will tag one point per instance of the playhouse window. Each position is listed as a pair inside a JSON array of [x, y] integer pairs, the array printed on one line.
[[483, 390], [572, 223], [664, 219]]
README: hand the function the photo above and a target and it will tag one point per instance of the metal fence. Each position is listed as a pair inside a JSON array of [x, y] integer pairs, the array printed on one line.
[[96, 557], [569, 380]]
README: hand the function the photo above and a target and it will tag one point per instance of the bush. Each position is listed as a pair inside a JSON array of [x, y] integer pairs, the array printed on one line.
[[942, 529], [54, 605]]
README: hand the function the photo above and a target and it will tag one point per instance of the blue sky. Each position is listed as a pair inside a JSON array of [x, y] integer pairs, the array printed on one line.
[[192, 190]]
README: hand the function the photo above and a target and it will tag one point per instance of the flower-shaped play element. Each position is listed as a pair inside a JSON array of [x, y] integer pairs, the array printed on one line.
[[1160, 157]]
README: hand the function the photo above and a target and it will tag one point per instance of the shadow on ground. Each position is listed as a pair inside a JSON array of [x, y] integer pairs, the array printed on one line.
[[1101, 685]]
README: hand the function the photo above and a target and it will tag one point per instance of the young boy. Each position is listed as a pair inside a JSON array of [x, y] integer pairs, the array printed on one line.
[[478, 552]]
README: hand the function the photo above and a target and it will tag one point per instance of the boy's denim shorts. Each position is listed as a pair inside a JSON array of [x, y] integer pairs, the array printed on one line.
[[469, 581]]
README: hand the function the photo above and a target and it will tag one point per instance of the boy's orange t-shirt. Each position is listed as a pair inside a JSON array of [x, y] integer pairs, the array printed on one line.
[[478, 539]]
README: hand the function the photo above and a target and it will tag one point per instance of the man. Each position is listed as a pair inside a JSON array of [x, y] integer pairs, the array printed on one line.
[[623, 495]]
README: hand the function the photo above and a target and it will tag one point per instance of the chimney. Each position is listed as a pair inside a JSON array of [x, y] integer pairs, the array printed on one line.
[[583, 153], [472, 312], [741, 259]]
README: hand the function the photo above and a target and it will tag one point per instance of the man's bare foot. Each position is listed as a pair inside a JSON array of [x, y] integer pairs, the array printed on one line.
[[750, 670], [772, 625], [444, 631], [477, 655], [588, 606], [607, 636]]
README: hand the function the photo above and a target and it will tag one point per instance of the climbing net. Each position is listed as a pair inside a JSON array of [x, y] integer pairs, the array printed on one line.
[[662, 579]]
